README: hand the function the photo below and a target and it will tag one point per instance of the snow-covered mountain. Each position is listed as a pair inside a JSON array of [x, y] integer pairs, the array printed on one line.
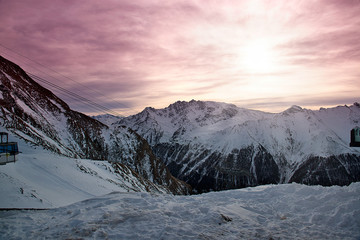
[[37, 116], [210, 145], [107, 119], [42, 179], [217, 146]]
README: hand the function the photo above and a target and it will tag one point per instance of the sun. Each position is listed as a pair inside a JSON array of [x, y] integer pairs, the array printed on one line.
[[258, 57]]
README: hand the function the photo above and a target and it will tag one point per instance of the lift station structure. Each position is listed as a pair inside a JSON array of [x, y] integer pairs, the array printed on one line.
[[8, 150], [355, 137]]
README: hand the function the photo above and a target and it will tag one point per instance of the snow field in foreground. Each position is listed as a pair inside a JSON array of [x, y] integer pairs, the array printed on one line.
[[41, 179], [289, 211]]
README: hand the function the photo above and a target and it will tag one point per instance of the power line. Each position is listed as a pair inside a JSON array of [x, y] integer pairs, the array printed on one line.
[[68, 93], [54, 71], [74, 95]]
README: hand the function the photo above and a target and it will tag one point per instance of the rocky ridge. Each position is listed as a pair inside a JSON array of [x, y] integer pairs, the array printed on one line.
[[217, 146]]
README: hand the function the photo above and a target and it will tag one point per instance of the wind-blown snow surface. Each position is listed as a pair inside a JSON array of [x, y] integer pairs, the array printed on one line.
[[288, 211]]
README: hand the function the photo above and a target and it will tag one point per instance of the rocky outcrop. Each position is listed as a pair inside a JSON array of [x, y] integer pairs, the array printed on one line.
[[208, 170], [131, 149], [327, 171]]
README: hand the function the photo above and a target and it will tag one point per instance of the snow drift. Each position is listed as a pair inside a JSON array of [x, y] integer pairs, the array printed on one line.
[[288, 211]]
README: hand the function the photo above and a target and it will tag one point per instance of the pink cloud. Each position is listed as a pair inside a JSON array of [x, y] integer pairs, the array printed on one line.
[[150, 53]]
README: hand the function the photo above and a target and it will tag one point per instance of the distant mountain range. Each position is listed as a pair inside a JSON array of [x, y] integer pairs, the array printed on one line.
[[217, 146], [209, 145]]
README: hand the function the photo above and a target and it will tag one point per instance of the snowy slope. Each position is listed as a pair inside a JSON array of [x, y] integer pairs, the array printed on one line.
[[224, 127], [41, 179], [37, 116], [193, 121], [107, 119], [224, 146], [288, 211]]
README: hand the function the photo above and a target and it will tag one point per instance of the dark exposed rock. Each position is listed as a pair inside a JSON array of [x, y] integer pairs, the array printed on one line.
[[207, 170], [327, 171]]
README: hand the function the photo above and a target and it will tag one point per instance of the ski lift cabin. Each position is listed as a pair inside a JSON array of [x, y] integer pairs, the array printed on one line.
[[355, 137], [8, 150]]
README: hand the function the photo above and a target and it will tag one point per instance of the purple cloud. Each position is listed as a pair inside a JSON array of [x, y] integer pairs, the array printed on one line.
[[150, 53]]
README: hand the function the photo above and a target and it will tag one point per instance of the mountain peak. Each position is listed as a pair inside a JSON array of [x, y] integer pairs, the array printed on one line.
[[294, 109]]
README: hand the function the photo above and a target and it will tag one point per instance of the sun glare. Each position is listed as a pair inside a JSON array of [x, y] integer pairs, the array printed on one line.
[[258, 57]]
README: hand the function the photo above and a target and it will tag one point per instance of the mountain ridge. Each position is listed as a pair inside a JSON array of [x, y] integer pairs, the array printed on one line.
[[192, 136], [210, 145]]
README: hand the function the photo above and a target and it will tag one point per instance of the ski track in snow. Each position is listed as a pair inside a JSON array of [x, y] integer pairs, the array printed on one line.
[[289, 211]]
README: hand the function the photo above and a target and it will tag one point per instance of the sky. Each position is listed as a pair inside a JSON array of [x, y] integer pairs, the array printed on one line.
[[128, 55]]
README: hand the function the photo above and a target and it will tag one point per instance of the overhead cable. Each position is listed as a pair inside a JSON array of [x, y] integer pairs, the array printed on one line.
[[54, 71]]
